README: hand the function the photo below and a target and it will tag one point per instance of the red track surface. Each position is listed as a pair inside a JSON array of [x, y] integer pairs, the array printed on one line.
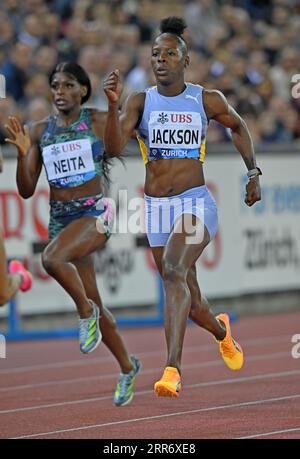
[[49, 390]]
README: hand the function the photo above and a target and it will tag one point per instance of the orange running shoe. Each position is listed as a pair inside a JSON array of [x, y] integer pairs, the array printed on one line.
[[231, 351], [170, 383]]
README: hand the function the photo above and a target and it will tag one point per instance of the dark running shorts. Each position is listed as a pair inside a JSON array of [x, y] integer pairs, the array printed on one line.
[[64, 212]]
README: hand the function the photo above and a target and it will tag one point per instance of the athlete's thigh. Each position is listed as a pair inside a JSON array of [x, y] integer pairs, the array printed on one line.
[[77, 240], [184, 246], [157, 253]]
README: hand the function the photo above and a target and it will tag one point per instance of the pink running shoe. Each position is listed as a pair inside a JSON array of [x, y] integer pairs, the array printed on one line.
[[16, 267]]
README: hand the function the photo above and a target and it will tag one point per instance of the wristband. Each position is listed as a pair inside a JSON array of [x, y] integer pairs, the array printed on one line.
[[254, 173]]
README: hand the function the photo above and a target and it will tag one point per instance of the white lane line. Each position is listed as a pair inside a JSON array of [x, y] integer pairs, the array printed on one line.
[[199, 348], [266, 434], [144, 392], [161, 416], [100, 377]]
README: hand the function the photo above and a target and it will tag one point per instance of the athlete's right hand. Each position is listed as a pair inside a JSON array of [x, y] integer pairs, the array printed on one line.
[[19, 135], [112, 86]]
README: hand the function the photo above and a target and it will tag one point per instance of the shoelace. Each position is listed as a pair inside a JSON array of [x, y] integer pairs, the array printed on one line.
[[83, 327], [124, 381], [228, 348]]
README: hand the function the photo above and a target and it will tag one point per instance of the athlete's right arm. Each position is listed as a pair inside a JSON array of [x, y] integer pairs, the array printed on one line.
[[29, 160], [119, 129]]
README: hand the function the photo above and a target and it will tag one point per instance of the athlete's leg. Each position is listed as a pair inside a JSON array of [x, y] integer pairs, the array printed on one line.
[[200, 311], [110, 334], [173, 264], [77, 240], [9, 283], [178, 257]]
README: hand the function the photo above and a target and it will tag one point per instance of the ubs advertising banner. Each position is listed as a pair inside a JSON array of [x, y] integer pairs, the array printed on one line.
[[270, 231], [259, 247], [255, 250]]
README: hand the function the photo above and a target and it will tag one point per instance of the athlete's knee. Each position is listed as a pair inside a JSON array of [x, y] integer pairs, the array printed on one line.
[[50, 261], [172, 270]]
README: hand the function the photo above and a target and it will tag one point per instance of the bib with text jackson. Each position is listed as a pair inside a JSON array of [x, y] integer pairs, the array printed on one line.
[[174, 134]]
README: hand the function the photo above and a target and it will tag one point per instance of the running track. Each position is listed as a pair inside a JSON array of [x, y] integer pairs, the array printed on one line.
[[49, 390]]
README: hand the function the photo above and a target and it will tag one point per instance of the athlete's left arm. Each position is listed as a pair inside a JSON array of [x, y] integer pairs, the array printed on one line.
[[217, 108]]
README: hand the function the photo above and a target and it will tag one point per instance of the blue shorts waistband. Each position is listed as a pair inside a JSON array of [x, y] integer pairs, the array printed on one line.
[[190, 191]]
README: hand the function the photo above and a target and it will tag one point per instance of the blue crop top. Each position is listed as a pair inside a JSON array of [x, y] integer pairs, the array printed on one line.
[[173, 127]]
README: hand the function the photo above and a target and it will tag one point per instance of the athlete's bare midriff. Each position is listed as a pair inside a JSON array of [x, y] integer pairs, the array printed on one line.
[[169, 177], [90, 188]]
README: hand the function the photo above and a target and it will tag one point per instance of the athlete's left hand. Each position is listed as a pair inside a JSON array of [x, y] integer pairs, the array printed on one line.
[[253, 193], [112, 87]]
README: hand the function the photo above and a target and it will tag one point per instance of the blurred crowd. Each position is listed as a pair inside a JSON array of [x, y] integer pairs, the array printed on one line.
[[248, 49]]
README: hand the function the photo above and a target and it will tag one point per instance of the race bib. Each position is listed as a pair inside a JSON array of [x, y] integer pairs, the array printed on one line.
[[67, 159], [175, 129], [174, 134]]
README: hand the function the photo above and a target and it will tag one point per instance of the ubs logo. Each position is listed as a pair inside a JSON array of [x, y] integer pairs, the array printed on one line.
[[55, 150], [162, 118], [181, 118]]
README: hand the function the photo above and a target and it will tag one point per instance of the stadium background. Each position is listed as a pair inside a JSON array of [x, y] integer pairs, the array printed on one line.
[[249, 50]]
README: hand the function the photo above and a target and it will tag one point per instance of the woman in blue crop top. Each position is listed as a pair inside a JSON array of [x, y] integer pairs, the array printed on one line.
[[171, 120], [70, 146]]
